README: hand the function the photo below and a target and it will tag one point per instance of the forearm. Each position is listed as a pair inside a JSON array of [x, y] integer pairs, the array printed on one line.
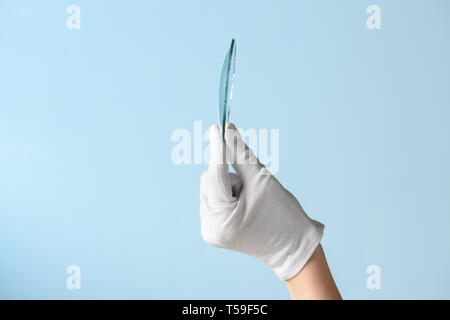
[[314, 281]]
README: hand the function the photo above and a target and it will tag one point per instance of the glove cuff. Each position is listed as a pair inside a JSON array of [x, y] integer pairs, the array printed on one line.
[[296, 261]]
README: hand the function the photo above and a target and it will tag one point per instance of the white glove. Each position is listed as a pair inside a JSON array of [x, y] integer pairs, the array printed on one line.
[[251, 212]]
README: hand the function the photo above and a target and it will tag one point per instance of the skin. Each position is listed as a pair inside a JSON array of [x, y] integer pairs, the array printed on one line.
[[314, 281]]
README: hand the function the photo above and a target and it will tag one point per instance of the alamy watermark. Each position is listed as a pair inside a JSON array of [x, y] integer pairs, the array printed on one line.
[[192, 147], [373, 22], [73, 281], [74, 19], [373, 282]]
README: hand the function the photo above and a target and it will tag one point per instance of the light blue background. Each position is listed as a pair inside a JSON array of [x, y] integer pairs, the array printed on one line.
[[86, 117]]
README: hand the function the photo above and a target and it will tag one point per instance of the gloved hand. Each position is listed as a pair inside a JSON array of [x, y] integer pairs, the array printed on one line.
[[251, 212]]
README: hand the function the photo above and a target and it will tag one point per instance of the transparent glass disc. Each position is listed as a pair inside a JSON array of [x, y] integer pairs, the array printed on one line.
[[226, 86]]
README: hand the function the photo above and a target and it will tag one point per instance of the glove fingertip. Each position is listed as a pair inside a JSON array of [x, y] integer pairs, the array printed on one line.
[[215, 132]]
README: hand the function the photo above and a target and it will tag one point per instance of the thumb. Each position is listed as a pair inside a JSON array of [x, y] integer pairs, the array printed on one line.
[[218, 183], [240, 155]]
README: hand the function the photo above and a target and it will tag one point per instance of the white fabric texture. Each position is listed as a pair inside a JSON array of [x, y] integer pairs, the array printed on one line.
[[250, 212]]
